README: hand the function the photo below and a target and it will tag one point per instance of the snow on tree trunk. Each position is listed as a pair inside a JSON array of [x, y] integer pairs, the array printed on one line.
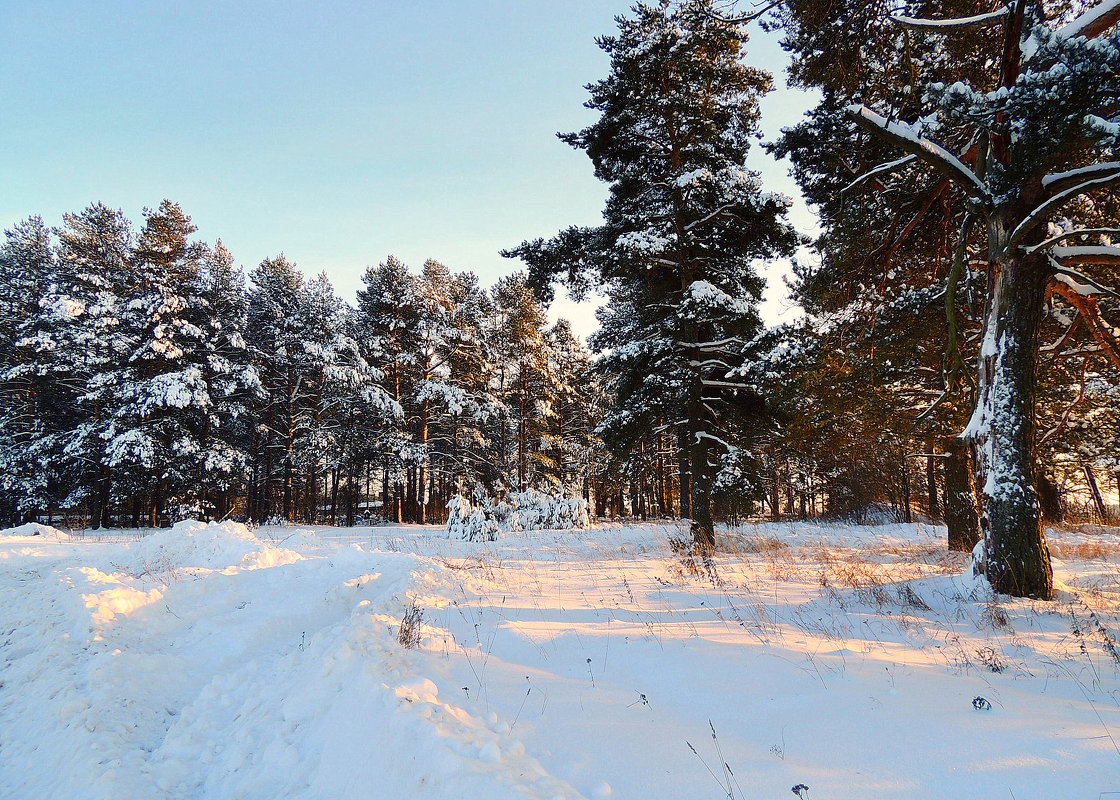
[[1001, 432]]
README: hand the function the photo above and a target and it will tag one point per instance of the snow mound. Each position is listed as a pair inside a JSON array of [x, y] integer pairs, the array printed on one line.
[[36, 529], [213, 545]]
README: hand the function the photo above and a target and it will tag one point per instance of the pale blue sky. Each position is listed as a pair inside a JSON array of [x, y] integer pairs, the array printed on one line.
[[336, 132]]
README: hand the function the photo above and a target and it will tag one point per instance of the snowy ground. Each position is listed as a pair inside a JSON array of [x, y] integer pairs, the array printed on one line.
[[211, 662]]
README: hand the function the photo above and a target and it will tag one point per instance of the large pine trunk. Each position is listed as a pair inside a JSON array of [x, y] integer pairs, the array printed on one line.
[[422, 498], [1016, 558]]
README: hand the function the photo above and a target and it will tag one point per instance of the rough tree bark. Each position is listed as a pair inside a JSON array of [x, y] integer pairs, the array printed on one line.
[[1017, 560]]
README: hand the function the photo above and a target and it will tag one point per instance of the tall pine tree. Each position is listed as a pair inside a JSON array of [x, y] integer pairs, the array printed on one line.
[[683, 223]]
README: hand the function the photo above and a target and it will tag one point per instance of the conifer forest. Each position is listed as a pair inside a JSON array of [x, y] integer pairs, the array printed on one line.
[[955, 354], [781, 456]]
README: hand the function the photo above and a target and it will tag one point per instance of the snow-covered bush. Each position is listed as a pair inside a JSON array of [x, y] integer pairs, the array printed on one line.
[[466, 522], [531, 510]]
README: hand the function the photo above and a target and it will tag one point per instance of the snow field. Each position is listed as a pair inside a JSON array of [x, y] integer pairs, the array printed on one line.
[[211, 661]]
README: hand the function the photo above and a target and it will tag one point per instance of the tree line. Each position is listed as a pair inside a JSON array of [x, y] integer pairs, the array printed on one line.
[[143, 377]]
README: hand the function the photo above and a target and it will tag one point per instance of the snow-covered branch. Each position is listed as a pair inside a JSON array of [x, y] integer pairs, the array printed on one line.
[[890, 166], [1092, 22], [724, 384], [1078, 282], [1070, 234], [960, 23], [933, 154], [714, 345], [1097, 254], [1042, 211], [1061, 181], [704, 435], [711, 362], [1086, 304]]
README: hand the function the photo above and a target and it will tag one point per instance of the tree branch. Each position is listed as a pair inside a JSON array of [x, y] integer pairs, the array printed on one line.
[[1087, 306], [931, 153], [1061, 181], [1056, 201], [960, 23], [1082, 255], [890, 166], [1070, 234], [742, 18], [1093, 22]]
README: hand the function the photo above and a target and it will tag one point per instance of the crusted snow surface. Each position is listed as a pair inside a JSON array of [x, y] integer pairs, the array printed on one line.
[[216, 661]]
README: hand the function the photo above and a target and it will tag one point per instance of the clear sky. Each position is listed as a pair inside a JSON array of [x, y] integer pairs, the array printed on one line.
[[335, 132]]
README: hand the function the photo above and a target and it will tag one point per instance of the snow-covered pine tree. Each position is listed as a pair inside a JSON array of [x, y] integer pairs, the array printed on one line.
[[276, 336], [81, 324], [435, 395], [318, 451], [684, 221], [342, 402], [520, 382], [1025, 133], [158, 398], [469, 411], [28, 404], [388, 313], [231, 378], [569, 438]]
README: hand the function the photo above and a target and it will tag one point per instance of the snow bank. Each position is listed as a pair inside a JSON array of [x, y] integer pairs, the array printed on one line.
[[213, 545], [279, 683], [36, 529]]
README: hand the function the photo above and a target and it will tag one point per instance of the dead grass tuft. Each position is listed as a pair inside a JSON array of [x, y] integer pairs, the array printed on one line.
[[752, 545], [1087, 551], [408, 635]]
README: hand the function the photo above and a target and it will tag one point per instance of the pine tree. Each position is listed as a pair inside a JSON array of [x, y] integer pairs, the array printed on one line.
[[683, 223], [520, 381], [158, 397], [470, 406], [276, 337], [388, 318], [569, 439], [82, 320], [29, 403], [232, 380], [1021, 133]]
